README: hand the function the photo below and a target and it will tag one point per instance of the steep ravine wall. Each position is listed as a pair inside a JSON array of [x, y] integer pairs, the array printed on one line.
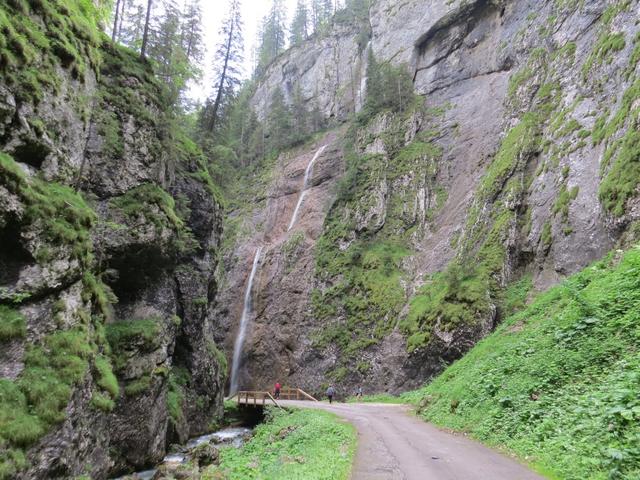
[[519, 169], [109, 229]]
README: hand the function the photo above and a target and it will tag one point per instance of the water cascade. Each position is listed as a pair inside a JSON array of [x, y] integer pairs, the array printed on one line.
[[305, 185], [244, 320]]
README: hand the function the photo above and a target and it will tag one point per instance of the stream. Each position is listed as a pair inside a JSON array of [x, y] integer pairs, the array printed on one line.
[[231, 436]]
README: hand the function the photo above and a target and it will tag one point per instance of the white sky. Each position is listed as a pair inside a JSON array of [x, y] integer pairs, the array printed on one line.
[[213, 11]]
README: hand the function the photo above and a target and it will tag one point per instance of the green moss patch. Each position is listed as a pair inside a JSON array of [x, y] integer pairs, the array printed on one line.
[[62, 213], [179, 379], [142, 334], [36, 401], [12, 324], [67, 36], [105, 377], [138, 386]]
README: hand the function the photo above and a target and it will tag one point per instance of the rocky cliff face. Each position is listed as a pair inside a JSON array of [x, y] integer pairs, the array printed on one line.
[[518, 167], [109, 227]]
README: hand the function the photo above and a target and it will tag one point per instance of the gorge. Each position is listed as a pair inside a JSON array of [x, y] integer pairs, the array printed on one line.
[[442, 163]]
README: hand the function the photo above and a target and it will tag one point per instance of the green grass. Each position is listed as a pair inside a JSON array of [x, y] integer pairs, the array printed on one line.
[[303, 444], [179, 378], [605, 47], [105, 378], [557, 384], [102, 402], [139, 333], [376, 398], [12, 324], [36, 401], [136, 202], [138, 386]]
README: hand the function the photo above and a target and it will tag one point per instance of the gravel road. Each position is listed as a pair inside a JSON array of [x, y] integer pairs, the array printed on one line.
[[395, 445]]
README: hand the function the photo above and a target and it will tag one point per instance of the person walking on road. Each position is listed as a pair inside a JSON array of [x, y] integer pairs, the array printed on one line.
[[330, 393], [276, 390]]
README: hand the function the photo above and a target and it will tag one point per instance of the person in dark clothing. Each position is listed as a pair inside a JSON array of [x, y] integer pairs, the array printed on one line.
[[276, 390], [330, 393]]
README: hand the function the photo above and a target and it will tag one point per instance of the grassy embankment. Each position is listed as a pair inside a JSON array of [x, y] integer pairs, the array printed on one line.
[[558, 383], [303, 444]]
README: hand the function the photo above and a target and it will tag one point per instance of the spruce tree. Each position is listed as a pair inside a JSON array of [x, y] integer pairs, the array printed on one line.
[[131, 29], [123, 9], [272, 39], [299, 30], [116, 20], [321, 12], [300, 116], [192, 34], [279, 122], [227, 64], [145, 34]]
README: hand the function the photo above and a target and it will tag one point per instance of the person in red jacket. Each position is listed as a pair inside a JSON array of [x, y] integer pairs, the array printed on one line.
[[276, 390]]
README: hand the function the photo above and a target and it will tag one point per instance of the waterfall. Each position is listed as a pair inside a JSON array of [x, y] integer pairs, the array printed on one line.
[[242, 331], [305, 185], [362, 90]]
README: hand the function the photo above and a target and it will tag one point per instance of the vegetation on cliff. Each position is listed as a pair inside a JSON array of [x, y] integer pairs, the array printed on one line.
[[83, 101], [557, 382]]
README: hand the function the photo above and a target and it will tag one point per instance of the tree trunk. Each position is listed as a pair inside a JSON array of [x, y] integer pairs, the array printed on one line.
[[119, 34], [223, 77], [115, 22], [145, 35]]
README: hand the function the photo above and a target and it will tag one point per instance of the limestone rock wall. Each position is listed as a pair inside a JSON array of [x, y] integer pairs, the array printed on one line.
[[109, 233], [528, 106]]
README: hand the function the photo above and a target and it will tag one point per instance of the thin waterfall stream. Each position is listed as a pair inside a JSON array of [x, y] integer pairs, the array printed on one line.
[[305, 185], [242, 330]]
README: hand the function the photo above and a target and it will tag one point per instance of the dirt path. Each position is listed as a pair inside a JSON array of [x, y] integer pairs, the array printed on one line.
[[394, 445]]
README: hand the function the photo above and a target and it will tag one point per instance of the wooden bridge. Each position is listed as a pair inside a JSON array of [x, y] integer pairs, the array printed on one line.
[[261, 398]]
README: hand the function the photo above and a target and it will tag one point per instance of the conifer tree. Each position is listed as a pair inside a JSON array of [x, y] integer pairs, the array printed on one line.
[[228, 59], [279, 122], [192, 34], [145, 34], [116, 20], [388, 87], [123, 9], [131, 29], [299, 30], [300, 116], [321, 11], [272, 38]]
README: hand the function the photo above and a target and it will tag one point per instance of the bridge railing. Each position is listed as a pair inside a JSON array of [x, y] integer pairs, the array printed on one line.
[[255, 399], [288, 393]]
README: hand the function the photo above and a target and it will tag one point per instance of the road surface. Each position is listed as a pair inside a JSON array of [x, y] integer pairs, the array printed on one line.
[[395, 445]]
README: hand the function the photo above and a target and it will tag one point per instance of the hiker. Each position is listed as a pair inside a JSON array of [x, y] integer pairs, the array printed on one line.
[[330, 393], [276, 390], [359, 393]]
